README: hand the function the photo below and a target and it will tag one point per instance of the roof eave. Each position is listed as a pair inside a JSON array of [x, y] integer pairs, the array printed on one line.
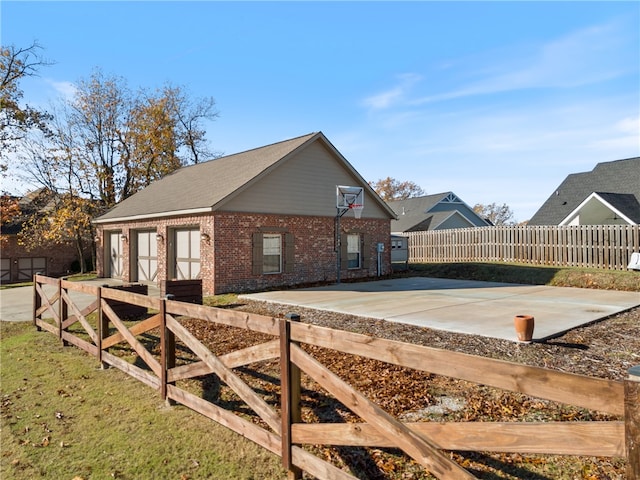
[[133, 218]]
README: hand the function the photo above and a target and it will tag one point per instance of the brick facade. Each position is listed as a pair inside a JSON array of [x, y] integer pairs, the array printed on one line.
[[59, 259], [226, 252]]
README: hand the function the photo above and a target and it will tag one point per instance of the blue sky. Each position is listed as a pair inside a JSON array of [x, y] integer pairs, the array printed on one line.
[[495, 101]]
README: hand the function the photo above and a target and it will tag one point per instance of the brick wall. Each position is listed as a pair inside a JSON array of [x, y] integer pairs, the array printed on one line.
[[58, 258], [314, 243], [226, 256]]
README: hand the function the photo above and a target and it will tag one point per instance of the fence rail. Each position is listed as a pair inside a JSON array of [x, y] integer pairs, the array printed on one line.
[[96, 328], [590, 246]]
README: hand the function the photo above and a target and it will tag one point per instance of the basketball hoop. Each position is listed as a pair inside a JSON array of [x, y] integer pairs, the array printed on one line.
[[357, 209]]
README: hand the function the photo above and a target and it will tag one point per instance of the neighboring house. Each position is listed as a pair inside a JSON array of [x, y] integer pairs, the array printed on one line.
[[433, 212], [255, 220], [607, 195], [17, 264]]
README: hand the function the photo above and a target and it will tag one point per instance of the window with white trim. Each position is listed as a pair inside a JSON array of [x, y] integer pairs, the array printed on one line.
[[353, 251], [272, 253]]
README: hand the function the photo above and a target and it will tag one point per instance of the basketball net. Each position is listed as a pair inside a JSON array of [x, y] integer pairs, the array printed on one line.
[[357, 209]]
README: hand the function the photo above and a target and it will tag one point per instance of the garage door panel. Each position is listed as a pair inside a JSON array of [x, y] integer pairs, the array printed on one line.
[[28, 267], [147, 258], [187, 254], [5, 270], [115, 255]]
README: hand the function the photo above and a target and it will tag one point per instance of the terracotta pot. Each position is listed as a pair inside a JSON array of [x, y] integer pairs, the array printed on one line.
[[524, 327]]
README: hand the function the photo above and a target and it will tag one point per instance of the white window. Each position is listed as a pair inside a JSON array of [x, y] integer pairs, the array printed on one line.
[[353, 251], [271, 253]]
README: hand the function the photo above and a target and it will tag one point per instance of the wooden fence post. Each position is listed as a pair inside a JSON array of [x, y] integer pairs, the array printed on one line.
[[167, 350], [632, 422], [37, 302], [289, 395], [103, 326], [63, 312]]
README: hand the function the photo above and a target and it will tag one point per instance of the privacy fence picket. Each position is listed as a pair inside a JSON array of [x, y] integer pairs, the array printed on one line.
[[590, 246], [167, 354]]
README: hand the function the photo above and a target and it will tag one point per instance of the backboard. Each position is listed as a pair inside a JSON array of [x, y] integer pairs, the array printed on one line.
[[349, 198]]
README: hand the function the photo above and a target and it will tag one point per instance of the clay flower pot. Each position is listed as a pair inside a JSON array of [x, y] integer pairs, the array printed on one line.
[[524, 327]]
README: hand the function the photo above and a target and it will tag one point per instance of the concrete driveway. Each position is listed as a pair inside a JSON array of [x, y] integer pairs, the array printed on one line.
[[464, 306], [16, 304]]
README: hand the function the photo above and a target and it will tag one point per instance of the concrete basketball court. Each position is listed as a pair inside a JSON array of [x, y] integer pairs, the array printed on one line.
[[464, 306]]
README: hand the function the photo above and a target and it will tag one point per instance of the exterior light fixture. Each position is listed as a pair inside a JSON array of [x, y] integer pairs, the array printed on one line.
[[205, 236], [159, 237]]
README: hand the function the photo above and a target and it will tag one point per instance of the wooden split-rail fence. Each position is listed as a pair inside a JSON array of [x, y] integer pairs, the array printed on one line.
[[96, 329]]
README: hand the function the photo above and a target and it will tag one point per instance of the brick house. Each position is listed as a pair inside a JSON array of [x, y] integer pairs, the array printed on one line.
[[255, 220], [19, 264]]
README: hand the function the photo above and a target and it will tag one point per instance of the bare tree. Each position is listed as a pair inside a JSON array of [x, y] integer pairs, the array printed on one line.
[[105, 144], [114, 142], [17, 120]]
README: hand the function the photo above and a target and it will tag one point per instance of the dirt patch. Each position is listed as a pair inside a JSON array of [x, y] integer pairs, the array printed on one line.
[[606, 349]]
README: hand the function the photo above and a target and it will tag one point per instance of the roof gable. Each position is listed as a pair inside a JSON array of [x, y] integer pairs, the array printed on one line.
[[605, 209], [429, 212], [616, 177], [209, 186]]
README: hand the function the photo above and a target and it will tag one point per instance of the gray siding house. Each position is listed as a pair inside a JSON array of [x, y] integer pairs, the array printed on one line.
[[607, 195], [440, 211], [259, 219]]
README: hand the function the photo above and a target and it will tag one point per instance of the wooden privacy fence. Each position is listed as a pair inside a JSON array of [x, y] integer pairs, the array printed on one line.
[[592, 246], [96, 329]]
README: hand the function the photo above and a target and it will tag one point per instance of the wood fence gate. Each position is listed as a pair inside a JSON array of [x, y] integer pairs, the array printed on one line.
[[96, 329]]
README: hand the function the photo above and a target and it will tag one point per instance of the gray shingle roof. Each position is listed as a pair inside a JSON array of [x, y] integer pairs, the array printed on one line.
[[617, 177], [431, 212], [204, 186], [625, 203], [413, 212]]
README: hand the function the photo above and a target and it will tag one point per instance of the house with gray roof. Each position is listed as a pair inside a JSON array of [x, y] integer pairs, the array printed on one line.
[[433, 212], [254, 220], [19, 263], [607, 195]]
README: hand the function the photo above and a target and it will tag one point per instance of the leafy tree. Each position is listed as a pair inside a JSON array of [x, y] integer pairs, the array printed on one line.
[[163, 133], [9, 214], [496, 214], [65, 219], [115, 142], [391, 189], [17, 120], [106, 144]]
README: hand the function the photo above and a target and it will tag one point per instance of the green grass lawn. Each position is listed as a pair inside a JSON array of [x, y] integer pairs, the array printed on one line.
[[62, 417], [623, 280]]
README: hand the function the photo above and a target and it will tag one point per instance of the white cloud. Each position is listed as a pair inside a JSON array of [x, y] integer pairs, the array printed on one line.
[[587, 56], [65, 89], [622, 136], [394, 95]]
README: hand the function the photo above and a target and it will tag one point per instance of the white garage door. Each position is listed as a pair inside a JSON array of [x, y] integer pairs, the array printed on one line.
[[28, 267], [115, 254], [147, 258], [187, 254]]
